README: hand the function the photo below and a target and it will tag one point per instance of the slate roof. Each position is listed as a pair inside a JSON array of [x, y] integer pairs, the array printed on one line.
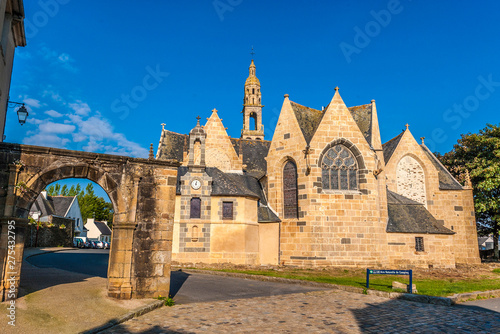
[[308, 118], [52, 206], [408, 216], [62, 204], [390, 147], [172, 145], [103, 228], [363, 117], [254, 154], [43, 205], [446, 180], [233, 184]]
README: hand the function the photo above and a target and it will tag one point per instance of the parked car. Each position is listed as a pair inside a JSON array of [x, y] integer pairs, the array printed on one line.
[[99, 244], [79, 243], [106, 245]]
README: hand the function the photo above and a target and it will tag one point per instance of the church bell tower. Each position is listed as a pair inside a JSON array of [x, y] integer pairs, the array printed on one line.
[[252, 108]]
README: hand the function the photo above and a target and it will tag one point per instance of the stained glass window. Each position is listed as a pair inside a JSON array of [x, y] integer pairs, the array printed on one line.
[[290, 190], [339, 169]]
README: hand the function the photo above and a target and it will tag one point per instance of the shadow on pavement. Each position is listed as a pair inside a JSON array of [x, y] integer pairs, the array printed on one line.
[[396, 316], [177, 279]]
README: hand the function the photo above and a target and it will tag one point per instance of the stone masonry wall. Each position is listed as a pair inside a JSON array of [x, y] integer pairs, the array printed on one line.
[[342, 228]]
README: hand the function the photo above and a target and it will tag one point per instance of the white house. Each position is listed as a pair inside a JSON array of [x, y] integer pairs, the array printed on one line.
[[486, 243], [98, 230], [60, 206]]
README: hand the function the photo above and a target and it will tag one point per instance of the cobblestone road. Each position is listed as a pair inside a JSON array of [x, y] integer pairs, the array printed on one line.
[[314, 312]]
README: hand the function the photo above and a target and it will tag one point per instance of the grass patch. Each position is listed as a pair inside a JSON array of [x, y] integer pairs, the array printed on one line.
[[497, 270], [432, 287]]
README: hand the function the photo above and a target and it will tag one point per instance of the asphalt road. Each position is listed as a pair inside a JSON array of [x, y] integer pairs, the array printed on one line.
[[184, 287]]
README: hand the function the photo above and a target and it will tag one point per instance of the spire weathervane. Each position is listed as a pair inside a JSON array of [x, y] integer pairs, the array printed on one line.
[[252, 53]]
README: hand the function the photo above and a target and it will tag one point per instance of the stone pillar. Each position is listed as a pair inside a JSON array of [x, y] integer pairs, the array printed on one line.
[[120, 261], [11, 255]]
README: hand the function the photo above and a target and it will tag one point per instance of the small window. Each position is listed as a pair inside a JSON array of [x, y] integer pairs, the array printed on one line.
[[195, 207], [253, 90], [419, 244], [227, 210]]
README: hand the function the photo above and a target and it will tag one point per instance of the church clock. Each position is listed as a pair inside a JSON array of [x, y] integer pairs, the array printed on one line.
[[196, 184]]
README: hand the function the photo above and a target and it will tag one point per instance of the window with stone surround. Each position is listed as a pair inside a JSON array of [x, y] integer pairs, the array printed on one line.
[[195, 208], [339, 169], [290, 193], [419, 244], [227, 210]]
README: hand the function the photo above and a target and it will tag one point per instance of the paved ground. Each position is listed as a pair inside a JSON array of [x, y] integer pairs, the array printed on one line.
[[184, 287], [58, 301], [313, 312]]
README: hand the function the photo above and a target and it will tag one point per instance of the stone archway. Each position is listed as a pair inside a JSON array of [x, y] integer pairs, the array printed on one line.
[[143, 195]]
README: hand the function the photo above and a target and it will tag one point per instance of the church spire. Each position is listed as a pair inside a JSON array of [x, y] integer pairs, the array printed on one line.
[[252, 107]]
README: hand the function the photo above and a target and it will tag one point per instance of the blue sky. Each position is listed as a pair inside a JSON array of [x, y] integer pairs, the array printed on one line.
[[103, 75]]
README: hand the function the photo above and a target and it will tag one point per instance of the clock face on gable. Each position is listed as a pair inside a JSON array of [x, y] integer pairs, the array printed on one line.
[[195, 184]]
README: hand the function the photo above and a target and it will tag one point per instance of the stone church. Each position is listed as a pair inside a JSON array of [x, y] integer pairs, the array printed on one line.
[[324, 191]]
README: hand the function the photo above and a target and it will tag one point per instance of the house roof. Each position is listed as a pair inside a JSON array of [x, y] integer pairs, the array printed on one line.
[[390, 146], [172, 146], [482, 240], [408, 216], [53, 205], [103, 228], [254, 155], [309, 119], [45, 206], [363, 117], [62, 204], [446, 180]]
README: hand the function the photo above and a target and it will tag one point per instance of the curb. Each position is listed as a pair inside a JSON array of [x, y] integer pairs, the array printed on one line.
[[46, 252], [443, 301], [132, 314]]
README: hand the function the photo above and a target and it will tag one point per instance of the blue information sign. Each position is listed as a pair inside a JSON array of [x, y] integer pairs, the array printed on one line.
[[388, 272]]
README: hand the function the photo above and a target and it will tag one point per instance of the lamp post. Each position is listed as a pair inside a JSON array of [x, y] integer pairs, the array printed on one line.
[[22, 112]]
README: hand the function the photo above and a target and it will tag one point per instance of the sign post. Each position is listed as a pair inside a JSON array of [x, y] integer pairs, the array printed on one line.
[[389, 272]]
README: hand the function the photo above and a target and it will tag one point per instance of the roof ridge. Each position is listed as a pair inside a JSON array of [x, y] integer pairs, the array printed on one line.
[[321, 111], [387, 142]]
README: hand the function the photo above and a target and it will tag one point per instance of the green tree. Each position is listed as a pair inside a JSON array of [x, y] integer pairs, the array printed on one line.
[[64, 190], [53, 190], [478, 155]]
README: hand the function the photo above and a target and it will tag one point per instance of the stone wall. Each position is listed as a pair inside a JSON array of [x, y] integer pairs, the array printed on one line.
[[53, 236], [342, 228], [438, 251]]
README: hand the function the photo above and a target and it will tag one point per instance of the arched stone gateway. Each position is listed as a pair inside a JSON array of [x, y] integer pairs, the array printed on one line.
[[143, 195]]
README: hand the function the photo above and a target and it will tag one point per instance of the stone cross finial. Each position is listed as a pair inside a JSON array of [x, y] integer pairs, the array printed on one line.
[[337, 88], [422, 139], [407, 126], [214, 110], [151, 153], [163, 126], [198, 120]]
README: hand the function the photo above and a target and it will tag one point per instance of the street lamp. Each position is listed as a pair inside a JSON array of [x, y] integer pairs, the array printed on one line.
[[22, 112]]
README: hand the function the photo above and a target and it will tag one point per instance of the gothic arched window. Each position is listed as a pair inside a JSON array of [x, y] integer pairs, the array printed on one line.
[[339, 169], [290, 203]]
